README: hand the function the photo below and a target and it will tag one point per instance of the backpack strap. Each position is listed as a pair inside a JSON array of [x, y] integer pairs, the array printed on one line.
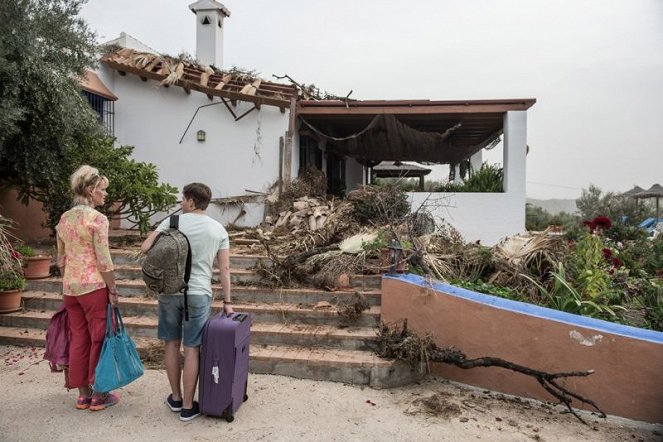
[[174, 224]]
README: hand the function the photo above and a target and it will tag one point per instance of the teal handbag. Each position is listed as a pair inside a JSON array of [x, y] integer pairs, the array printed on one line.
[[119, 363]]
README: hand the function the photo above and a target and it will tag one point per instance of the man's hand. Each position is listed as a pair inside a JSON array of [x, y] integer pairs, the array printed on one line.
[[227, 309]]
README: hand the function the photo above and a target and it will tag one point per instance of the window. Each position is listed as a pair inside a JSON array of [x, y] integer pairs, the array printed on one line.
[[105, 110]]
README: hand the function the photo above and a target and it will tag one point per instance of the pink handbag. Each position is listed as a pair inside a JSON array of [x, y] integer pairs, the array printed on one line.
[[57, 343]]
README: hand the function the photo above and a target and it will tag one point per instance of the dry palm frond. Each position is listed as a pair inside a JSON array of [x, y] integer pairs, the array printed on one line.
[[142, 59], [204, 76], [173, 74], [316, 261], [518, 250], [439, 266]]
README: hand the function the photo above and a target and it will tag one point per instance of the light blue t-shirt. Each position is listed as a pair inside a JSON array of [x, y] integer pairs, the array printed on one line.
[[206, 237]]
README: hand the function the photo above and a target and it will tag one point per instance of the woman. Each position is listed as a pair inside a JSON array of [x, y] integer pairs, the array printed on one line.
[[88, 284]]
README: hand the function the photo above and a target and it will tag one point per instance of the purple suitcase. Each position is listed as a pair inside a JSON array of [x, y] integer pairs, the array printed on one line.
[[224, 365]]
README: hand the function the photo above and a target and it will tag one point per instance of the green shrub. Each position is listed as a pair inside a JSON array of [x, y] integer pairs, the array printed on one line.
[[489, 178], [490, 289], [563, 296]]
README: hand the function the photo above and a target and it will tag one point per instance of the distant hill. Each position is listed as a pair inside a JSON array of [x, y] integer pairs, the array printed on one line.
[[554, 206]]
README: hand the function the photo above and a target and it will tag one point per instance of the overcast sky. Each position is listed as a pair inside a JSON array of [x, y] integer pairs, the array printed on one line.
[[594, 66]]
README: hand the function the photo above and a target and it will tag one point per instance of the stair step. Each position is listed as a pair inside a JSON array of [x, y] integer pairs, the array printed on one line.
[[284, 324], [242, 269], [349, 366], [247, 276], [237, 276], [134, 288], [126, 256], [278, 313]]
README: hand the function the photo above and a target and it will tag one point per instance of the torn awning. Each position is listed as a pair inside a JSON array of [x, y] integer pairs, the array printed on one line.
[[444, 132]]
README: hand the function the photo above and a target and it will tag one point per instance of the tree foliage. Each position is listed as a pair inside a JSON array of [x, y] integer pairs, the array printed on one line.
[[134, 191], [47, 128], [537, 218], [44, 48], [593, 202]]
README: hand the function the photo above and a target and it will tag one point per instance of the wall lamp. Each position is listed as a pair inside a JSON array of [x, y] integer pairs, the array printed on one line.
[[200, 135]]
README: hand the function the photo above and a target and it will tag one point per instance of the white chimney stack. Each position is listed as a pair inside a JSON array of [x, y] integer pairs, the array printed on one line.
[[209, 31]]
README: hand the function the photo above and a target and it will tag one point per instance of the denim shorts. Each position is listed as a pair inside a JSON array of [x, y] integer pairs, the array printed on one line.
[[171, 318]]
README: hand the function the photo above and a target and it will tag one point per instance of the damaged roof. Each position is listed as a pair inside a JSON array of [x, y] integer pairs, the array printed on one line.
[[231, 85]]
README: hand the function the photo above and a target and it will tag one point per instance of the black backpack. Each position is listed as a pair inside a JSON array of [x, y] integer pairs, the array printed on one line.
[[167, 265]]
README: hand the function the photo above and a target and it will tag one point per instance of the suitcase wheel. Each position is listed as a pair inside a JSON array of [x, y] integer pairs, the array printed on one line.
[[228, 413], [246, 397]]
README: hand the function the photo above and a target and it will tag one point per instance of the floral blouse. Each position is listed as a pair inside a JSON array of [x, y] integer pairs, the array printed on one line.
[[82, 235]]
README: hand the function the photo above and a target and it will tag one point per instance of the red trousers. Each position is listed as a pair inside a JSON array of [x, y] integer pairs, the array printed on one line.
[[87, 324]]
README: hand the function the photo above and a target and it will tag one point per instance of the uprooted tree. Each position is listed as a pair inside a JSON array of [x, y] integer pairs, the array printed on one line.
[[312, 240]]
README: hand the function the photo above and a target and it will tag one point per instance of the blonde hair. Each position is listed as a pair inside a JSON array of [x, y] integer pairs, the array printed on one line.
[[84, 177]]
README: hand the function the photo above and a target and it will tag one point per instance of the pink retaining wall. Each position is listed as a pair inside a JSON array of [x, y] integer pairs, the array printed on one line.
[[29, 219], [628, 362]]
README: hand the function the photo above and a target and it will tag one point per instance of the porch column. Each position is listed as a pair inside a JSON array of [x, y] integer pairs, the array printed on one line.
[[457, 178], [476, 160], [515, 151]]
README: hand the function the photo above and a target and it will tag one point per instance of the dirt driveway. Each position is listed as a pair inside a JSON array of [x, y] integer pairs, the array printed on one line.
[[36, 407]]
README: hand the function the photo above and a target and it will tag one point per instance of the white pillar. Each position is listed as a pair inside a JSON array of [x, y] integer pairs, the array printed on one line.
[[476, 160], [457, 178], [515, 151]]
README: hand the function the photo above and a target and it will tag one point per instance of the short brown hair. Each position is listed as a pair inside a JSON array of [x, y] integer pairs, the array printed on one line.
[[200, 193]]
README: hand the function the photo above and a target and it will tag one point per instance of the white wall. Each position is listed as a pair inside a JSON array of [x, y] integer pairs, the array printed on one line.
[[488, 217], [236, 155]]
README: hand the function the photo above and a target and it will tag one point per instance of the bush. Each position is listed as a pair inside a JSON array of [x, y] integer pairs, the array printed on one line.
[[538, 219], [134, 191], [489, 178], [380, 205]]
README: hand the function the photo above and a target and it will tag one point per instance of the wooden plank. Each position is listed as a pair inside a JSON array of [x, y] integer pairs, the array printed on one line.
[[233, 96], [287, 150], [409, 110]]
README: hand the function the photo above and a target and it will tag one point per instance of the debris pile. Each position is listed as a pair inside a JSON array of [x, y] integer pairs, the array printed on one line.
[[306, 213]]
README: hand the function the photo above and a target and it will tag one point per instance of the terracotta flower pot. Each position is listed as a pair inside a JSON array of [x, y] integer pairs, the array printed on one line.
[[10, 300], [37, 267]]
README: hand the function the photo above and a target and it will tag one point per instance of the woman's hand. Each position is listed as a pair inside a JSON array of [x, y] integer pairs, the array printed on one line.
[[112, 297], [227, 309]]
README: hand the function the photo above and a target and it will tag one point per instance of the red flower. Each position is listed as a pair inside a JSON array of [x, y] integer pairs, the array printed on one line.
[[616, 262], [603, 222], [607, 253]]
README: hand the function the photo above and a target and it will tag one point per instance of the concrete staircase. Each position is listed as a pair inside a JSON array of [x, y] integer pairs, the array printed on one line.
[[292, 334]]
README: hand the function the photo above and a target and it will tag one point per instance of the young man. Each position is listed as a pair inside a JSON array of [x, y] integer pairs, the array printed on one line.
[[208, 239]]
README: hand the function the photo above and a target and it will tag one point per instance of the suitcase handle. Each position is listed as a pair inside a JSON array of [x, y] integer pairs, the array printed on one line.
[[240, 317]]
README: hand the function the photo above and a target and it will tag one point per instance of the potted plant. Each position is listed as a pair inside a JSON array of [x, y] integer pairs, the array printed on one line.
[[35, 265], [12, 281]]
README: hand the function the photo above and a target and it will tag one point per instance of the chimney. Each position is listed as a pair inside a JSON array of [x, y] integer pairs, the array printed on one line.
[[209, 31]]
